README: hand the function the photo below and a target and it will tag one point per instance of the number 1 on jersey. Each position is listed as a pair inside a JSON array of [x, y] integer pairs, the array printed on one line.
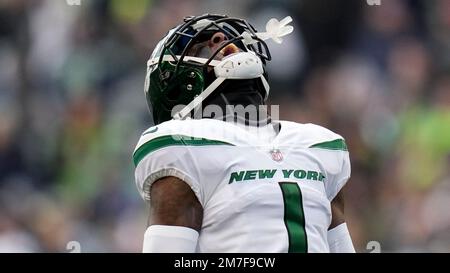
[[294, 217]]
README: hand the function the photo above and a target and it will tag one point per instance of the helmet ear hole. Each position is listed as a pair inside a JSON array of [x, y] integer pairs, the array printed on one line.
[[174, 93]]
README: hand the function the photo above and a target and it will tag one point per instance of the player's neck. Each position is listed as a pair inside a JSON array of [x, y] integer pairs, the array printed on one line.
[[240, 102]]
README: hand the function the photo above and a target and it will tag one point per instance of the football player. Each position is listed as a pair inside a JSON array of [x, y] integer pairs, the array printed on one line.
[[227, 181]]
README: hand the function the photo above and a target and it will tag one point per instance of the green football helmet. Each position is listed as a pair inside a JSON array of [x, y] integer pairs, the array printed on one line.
[[196, 57]]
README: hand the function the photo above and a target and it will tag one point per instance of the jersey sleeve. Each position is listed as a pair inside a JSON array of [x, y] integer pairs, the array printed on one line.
[[337, 166], [340, 179], [332, 151], [161, 156]]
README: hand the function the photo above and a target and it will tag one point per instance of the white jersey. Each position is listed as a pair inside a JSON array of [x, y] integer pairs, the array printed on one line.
[[259, 193]]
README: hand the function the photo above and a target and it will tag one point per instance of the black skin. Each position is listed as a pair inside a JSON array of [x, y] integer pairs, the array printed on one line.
[[174, 203]]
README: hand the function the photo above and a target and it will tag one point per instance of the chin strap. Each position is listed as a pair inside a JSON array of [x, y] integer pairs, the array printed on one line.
[[199, 99], [239, 66]]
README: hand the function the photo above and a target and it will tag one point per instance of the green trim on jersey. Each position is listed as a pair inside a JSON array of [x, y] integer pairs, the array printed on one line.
[[337, 144], [294, 217], [171, 140]]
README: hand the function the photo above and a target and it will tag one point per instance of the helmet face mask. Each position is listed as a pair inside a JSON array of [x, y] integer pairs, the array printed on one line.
[[187, 61]]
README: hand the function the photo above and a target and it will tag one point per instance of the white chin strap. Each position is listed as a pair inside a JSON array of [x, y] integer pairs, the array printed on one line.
[[238, 66], [199, 99]]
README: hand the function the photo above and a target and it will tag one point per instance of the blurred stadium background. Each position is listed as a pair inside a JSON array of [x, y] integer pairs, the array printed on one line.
[[72, 109]]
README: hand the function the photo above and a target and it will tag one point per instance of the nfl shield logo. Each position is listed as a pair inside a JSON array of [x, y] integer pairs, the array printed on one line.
[[276, 155]]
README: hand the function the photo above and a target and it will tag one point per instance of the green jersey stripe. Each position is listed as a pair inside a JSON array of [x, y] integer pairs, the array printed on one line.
[[337, 144], [171, 140], [294, 217]]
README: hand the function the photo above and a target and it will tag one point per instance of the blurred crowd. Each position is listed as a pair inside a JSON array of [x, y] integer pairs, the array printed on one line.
[[72, 109]]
